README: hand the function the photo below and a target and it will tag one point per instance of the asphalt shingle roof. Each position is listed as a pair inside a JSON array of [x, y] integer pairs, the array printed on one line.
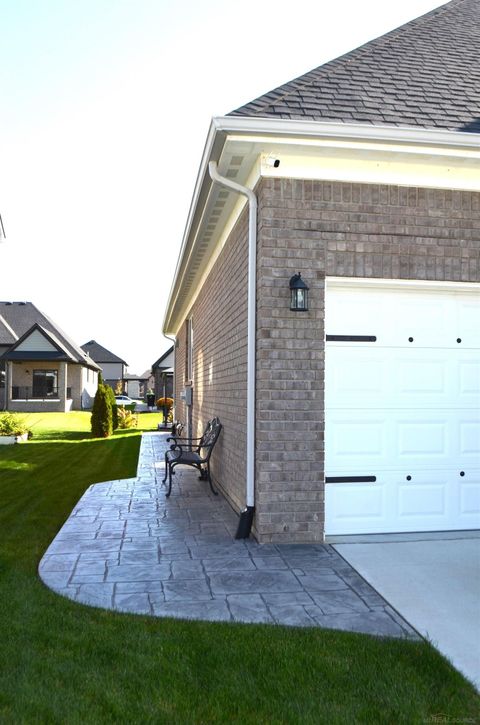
[[425, 73], [22, 316], [101, 354], [7, 335]]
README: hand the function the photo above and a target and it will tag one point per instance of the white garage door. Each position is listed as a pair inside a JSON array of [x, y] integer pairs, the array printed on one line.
[[402, 407]]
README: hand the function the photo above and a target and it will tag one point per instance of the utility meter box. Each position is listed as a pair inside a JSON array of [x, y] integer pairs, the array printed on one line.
[[186, 395]]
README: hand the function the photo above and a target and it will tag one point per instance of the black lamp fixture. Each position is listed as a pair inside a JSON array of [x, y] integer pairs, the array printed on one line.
[[298, 294]]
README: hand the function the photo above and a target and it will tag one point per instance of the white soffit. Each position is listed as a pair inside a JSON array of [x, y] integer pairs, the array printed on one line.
[[363, 161]]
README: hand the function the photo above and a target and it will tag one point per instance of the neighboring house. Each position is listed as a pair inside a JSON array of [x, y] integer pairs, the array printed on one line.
[[42, 368], [162, 371], [114, 369], [135, 385], [358, 414], [149, 378]]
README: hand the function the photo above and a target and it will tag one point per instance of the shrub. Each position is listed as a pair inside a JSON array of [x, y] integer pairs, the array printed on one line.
[[164, 403], [113, 403], [127, 418], [12, 425], [101, 420]]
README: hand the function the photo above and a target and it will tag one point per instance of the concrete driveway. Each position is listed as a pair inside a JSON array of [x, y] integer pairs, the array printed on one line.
[[434, 585]]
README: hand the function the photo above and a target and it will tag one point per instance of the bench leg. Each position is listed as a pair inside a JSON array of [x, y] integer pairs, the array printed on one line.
[[170, 472], [166, 469], [210, 479]]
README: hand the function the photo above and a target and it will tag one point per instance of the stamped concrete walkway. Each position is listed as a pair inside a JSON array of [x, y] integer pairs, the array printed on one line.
[[129, 548]]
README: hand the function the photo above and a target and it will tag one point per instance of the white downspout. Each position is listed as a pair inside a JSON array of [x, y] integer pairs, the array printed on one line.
[[251, 326]]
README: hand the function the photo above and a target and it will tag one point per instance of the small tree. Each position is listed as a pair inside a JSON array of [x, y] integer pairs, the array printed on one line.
[[113, 403], [118, 387], [101, 420]]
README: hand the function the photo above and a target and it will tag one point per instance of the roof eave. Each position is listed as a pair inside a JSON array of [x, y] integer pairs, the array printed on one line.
[[223, 126], [357, 131]]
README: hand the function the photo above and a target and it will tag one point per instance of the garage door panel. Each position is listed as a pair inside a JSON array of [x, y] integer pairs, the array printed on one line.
[[403, 408], [421, 376], [431, 501], [469, 377], [358, 375], [469, 499], [432, 319], [352, 503], [366, 377], [418, 500], [407, 440], [467, 316], [469, 438], [420, 438], [355, 437]]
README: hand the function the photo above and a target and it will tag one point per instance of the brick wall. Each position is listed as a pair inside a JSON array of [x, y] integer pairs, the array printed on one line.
[[319, 229], [219, 317], [337, 229]]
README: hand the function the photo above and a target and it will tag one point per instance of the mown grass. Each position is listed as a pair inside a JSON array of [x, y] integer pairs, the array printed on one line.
[[76, 425], [62, 662]]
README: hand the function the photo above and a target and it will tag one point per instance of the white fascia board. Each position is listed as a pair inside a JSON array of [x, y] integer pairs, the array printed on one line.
[[202, 175]]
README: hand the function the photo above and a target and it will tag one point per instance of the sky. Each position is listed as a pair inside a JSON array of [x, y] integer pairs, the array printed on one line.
[[105, 107]]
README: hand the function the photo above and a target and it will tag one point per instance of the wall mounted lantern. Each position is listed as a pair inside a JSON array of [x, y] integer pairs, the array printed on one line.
[[298, 294]]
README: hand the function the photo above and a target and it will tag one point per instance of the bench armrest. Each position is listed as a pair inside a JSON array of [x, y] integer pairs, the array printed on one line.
[[179, 438], [184, 447]]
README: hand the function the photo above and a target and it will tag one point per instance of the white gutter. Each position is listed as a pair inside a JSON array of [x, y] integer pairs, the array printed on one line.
[[251, 323], [352, 131]]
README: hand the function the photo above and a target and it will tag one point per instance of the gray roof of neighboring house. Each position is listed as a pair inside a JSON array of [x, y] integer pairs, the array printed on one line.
[[158, 363], [425, 73], [101, 354], [21, 317], [7, 335], [61, 352]]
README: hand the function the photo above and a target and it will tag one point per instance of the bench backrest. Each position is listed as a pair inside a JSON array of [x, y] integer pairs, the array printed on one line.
[[210, 436]]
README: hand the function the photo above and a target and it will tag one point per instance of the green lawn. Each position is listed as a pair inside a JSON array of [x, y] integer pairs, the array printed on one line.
[[76, 425], [62, 662]]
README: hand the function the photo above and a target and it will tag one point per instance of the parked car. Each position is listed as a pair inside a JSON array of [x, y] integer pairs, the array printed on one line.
[[124, 400]]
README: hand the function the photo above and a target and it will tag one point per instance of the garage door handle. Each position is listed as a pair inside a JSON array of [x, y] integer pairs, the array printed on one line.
[[350, 479], [351, 338]]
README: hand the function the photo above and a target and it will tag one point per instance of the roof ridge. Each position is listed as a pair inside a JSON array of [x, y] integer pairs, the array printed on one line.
[[8, 327], [354, 53]]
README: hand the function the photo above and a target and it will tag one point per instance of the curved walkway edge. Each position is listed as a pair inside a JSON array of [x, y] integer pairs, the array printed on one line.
[[128, 548]]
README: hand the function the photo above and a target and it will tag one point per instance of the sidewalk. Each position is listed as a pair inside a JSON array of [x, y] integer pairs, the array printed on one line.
[[127, 547]]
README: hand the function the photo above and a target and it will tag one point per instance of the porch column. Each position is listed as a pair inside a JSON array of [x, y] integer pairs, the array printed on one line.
[[8, 384], [62, 385]]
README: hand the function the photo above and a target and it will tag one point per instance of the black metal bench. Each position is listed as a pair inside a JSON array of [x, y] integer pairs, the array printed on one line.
[[193, 452]]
